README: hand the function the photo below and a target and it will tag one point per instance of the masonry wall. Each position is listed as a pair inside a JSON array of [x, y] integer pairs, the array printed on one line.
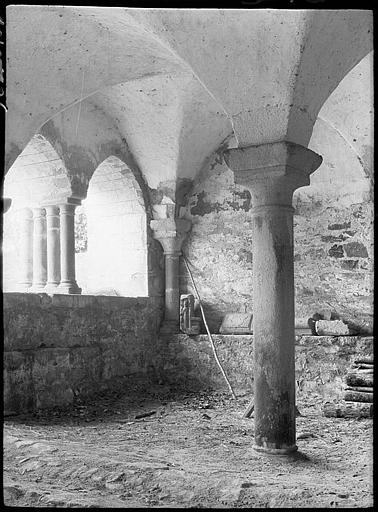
[[321, 363], [333, 245], [61, 346]]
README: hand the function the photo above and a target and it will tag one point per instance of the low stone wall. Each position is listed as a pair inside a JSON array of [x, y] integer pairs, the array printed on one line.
[[321, 362], [61, 346]]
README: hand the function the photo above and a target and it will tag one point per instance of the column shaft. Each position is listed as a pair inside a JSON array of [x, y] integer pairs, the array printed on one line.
[[171, 234], [25, 249], [67, 250], [53, 247], [172, 287], [273, 318], [39, 249]]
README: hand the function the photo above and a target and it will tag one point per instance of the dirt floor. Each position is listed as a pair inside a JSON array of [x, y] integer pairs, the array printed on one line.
[[193, 451]]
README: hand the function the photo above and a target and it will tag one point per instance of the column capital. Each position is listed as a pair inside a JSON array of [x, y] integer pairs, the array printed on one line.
[[170, 233], [65, 204], [52, 210], [62, 200], [67, 208], [38, 211], [271, 172]]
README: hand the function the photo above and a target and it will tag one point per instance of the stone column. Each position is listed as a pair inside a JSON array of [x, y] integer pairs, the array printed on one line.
[[171, 234], [39, 250], [25, 249], [271, 172], [53, 248], [68, 283]]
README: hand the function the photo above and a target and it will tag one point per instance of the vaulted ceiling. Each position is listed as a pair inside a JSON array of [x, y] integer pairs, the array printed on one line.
[[163, 88]]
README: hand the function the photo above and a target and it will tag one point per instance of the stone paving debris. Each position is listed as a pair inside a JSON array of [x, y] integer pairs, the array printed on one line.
[[97, 455]]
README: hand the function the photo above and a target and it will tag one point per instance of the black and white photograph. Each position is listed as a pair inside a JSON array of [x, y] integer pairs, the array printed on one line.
[[187, 255]]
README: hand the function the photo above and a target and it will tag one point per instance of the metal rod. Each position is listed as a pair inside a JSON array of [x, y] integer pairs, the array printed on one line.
[[207, 329]]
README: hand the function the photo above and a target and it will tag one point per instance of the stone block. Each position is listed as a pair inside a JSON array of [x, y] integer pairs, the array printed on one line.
[[236, 323], [331, 328], [356, 250], [344, 225], [336, 251], [349, 264], [189, 323], [332, 238]]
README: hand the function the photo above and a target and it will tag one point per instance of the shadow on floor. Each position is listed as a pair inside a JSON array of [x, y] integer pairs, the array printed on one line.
[[116, 405]]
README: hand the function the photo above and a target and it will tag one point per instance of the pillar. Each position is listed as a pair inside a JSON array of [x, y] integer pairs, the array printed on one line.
[[25, 223], [39, 250], [53, 248], [171, 234], [271, 172], [68, 283]]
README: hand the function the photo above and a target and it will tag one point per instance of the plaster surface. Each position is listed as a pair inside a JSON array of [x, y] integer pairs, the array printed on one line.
[[211, 65], [271, 70]]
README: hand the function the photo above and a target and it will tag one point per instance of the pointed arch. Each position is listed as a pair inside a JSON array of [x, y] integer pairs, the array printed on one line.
[[113, 240], [38, 175]]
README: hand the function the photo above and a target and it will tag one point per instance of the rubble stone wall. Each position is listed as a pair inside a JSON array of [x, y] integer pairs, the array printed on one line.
[[321, 362], [333, 246], [61, 346]]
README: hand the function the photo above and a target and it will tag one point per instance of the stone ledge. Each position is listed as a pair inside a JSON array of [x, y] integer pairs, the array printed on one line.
[[71, 301], [302, 339]]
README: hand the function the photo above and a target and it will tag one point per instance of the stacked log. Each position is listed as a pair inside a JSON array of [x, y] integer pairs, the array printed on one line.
[[358, 395], [350, 410], [360, 380]]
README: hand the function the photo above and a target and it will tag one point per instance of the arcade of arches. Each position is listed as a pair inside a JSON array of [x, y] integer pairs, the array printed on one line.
[[242, 139]]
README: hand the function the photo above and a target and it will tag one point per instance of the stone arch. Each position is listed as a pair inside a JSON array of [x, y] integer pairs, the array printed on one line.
[[343, 135], [37, 177], [67, 79], [112, 234]]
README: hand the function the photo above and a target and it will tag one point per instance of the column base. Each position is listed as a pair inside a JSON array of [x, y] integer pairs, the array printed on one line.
[[37, 288], [270, 449], [68, 289], [51, 288]]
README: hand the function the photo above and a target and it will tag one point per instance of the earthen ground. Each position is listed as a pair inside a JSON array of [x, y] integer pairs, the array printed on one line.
[[194, 451]]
